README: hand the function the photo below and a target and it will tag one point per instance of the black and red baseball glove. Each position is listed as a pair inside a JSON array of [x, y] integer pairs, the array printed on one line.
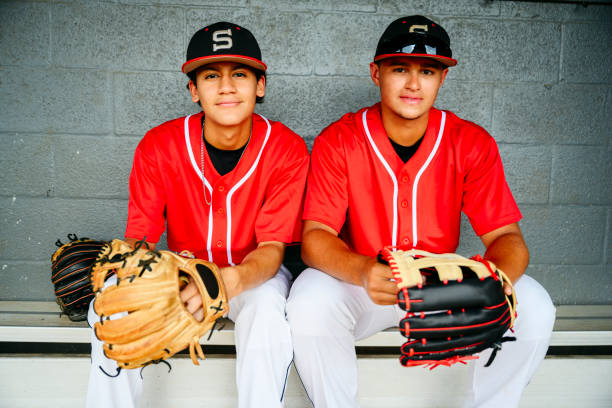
[[455, 306]]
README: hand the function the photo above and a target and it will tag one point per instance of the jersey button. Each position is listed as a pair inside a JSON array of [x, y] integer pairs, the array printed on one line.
[[405, 179], [404, 203], [220, 211], [219, 244], [405, 241], [221, 188]]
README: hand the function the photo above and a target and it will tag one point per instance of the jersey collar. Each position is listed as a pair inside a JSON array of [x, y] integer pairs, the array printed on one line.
[[381, 139]]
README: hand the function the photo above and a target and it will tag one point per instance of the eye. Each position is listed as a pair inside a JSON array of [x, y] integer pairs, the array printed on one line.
[[240, 74], [210, 75], [399, 69], [428, 72]]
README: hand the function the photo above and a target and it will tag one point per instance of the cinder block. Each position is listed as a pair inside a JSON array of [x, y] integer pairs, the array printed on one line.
[[307, 105], [560, 114], [496, 50], [540, 11], [24, 33], [29, 227], [105, 35], [285, 39], [27, 165], [22, 280], [574, 284], [54, 100], [190, 2], [306, 5], [527, 171], [87, 167], [564, 235], [146, 99], [470, 101], [469, 243], [609, 241], [447, 7], [581, 175], [345, 43], [583, 58], [608, 117]]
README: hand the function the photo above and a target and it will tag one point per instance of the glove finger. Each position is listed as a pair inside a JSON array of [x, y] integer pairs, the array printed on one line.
[[78, 250], [470, 293], [459, 346], [77, 266], [78, 283], [128, 297], [152, 347], [442, 324], [133, 326]]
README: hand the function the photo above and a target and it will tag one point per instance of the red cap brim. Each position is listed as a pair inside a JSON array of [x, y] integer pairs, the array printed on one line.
[[449, 62], [209, 59]]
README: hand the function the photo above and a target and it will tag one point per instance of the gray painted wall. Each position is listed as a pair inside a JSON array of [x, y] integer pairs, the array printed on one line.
[[82, 81]]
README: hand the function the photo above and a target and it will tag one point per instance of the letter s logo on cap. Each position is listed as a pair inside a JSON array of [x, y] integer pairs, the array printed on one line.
[[221, 42]]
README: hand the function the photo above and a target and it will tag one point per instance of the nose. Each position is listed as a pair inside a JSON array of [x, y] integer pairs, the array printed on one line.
[[413, 82], [227, 84]]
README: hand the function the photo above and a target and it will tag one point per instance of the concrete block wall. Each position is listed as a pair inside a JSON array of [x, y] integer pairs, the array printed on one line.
[[82, 81]]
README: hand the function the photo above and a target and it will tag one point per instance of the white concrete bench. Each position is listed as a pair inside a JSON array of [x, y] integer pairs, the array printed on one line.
[[43, 379], [40, 322]]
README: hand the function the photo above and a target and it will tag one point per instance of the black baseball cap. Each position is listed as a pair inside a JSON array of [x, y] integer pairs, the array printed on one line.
[[223, 41], [415, 36]]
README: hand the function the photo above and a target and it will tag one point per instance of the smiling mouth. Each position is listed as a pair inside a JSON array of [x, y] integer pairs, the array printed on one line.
[[411, 100], [228, 103]]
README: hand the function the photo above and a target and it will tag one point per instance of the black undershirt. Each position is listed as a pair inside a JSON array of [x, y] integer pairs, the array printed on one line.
[[224, 161], [405, 152]]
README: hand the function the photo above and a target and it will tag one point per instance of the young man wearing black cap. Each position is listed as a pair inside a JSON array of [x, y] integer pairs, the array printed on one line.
[[399, 174], [228, 184]]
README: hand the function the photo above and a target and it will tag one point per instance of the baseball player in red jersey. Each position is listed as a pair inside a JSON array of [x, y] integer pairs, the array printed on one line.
[[400, 173], [226, 184]]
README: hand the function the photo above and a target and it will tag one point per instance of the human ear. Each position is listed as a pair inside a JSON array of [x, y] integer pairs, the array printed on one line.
[[193, 90], [375, 73]]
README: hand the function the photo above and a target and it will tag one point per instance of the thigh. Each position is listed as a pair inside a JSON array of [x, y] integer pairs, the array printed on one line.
[[322, 296], [269, 297]]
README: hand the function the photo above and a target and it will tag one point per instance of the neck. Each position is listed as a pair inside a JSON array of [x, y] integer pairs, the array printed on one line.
[[405, 132], [227, 137]]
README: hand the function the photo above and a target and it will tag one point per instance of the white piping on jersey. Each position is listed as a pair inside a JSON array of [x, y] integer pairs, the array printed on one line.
[[391, 174], [414, 184], [207, 185], [236, 187], [418, 176]]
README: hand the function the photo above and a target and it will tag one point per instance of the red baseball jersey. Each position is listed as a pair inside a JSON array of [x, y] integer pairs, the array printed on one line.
[[259, 200], [359, 186]]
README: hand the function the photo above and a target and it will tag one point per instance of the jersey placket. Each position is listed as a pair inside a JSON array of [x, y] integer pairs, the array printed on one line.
[[406, 176]]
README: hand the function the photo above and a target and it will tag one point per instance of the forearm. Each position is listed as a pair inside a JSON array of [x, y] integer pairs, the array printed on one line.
[[510, 254], [325, 251], [257, 267]]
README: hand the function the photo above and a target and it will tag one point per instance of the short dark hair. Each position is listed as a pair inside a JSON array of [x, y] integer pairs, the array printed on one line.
[[258, 74]]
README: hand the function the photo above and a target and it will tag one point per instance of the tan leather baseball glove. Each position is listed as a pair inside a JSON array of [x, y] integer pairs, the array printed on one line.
[[157, 324]]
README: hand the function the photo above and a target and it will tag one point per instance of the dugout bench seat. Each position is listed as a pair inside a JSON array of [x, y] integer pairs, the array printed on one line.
[[37, 375]]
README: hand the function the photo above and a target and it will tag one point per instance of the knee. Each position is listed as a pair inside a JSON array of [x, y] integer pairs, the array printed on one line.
[[315, 303], [535, 310]]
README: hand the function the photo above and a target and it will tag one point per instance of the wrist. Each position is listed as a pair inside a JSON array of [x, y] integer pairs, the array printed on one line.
[[231, 281], [368, 263]]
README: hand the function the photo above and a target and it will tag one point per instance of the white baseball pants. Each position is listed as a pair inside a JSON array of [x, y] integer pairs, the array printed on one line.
[[327, 316], [263, 352]]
